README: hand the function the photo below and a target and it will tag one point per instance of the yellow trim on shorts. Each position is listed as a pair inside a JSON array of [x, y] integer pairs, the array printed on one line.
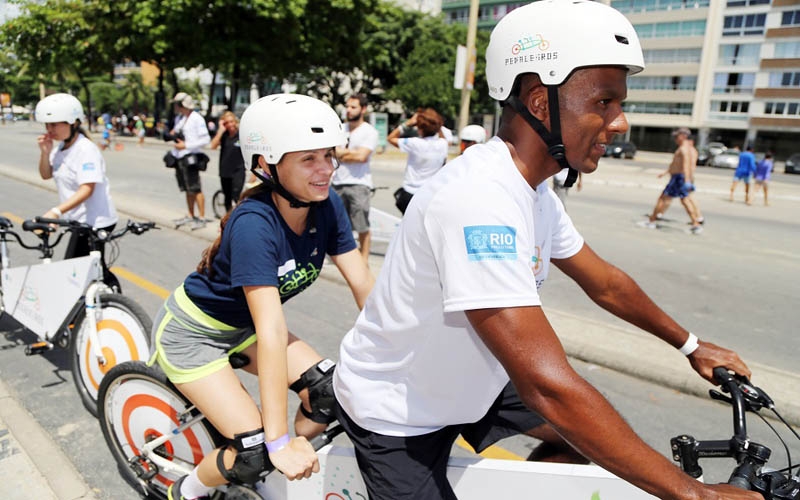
[[186, 304]]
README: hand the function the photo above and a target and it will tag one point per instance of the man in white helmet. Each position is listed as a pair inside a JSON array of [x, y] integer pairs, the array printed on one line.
[[453, 339], [471, 135]]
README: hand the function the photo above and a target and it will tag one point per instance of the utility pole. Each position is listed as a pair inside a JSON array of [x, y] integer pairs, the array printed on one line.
[[469, 71]]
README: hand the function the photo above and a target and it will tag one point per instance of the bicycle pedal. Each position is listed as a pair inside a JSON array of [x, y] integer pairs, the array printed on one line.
[[37, 348]]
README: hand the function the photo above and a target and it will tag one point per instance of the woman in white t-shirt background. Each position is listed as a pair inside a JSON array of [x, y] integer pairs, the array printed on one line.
[[426, 153], [75, 163]]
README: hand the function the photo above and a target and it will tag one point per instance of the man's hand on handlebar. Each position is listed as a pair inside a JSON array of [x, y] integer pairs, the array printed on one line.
[[709, 356], [728, 492]]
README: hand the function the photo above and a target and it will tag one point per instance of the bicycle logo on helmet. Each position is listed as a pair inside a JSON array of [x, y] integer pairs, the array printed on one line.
[[529, 42]]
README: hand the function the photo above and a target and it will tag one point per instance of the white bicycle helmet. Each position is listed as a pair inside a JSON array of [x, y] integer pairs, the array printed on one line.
[[282, 123], [58, 108], [473, 133], [552, 38]]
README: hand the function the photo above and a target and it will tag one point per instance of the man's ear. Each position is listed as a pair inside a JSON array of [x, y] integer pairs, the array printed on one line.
[[534, 95]]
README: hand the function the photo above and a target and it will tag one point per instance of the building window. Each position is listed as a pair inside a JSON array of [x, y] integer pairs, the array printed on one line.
[[734, 83], [745, 3], [791, 18], [659, 108], [664, 30], [739, 54], [745, 25], [787, 50], [782, 108], [672, 56], [786, 79], [739, 107], [663, 83], [628, 6]]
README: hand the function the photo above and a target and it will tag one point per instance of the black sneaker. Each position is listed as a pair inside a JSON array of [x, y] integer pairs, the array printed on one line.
[[174, 491]]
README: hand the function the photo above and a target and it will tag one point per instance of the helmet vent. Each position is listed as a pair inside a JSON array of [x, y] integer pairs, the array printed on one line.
[[621, 39], [317, 130]]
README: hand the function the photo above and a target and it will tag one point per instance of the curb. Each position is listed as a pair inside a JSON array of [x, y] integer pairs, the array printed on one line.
[[32, 465]]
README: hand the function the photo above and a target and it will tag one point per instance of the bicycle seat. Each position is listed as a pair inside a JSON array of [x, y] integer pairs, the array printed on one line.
[[30, 225], [5, 223]]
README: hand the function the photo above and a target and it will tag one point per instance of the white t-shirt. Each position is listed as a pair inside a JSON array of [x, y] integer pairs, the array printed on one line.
[[426, 155], [82, 163], [478, 236], [364, 136], [195, 134]]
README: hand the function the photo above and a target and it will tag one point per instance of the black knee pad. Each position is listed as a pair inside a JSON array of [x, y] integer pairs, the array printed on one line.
[[251, 458], [319, 381]]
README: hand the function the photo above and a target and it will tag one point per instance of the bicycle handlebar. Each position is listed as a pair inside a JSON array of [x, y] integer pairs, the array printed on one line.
[[750, 456]]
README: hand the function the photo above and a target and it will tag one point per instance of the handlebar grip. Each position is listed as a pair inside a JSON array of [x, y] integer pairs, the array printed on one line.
[[326, 437], [743, 475], [35, 225], [739, 482]]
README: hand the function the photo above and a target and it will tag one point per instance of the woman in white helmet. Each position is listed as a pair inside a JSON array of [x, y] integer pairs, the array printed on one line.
[[229, 312], [465, 346], [76, 164]]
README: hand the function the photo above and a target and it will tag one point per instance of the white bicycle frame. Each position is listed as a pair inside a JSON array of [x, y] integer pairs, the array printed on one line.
[[41, 296], [472, 478]]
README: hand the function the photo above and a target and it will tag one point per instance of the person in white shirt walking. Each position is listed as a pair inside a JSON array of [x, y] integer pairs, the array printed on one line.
[[352, 181]]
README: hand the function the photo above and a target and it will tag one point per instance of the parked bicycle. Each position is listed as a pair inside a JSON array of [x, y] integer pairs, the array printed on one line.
[[156, 436], [67, 304]]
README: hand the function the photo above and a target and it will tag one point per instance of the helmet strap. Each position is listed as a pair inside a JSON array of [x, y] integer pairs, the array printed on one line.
[[275, 183], [73, 131], [552, 138]]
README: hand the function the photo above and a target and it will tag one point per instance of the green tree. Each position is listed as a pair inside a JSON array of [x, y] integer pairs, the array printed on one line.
[[57, 41]]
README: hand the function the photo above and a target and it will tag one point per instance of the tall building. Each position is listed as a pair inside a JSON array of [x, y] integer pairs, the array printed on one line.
[[728, 69]]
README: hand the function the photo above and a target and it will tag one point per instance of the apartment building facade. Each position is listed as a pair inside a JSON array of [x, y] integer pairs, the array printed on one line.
[[728, 69]]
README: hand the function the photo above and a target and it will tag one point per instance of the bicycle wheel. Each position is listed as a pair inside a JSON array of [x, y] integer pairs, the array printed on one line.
[[218, 204], [137, 404], [123, 330]]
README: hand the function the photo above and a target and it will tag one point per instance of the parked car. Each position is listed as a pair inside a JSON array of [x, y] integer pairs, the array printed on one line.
[[621, 149], [792, 164], [703, 155], [715, 148], [728, 159]]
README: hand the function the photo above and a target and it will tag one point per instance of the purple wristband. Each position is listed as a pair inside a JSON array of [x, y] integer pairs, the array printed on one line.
[[278, 444]]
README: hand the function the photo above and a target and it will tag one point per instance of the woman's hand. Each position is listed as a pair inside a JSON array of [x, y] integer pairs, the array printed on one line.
[[45, 144], [296, 460]]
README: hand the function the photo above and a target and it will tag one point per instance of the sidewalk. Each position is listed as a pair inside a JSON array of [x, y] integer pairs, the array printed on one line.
[[32, 465]]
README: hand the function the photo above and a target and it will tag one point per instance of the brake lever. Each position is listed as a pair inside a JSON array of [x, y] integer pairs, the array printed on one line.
[[719, 396]]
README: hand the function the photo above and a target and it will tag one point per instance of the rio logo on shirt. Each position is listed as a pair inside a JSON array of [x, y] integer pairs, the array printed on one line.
[[491, 242], [88, 167]]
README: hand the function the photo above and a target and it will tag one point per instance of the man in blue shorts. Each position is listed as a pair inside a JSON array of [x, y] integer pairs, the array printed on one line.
[[746, 168], [680, 181]]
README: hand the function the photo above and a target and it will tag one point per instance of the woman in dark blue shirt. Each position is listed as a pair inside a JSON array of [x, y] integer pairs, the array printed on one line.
[[270, 248]]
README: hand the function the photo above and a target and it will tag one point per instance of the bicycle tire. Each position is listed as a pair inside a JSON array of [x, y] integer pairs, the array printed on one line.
[[218, 204], [123, 330], [137, 403]]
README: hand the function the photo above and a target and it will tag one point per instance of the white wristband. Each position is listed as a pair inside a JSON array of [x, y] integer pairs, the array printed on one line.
[[690, 345], [56, 211]]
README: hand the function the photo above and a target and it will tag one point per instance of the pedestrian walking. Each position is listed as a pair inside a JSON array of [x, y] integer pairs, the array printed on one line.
[[138, 127], [679, 186], [745, 169], [763, 173]]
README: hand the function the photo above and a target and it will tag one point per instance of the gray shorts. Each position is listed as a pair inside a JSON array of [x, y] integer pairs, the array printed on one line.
[[189, 345], [356, 201]]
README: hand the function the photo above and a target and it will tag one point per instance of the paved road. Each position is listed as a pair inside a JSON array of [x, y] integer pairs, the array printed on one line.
[[665, 262]]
